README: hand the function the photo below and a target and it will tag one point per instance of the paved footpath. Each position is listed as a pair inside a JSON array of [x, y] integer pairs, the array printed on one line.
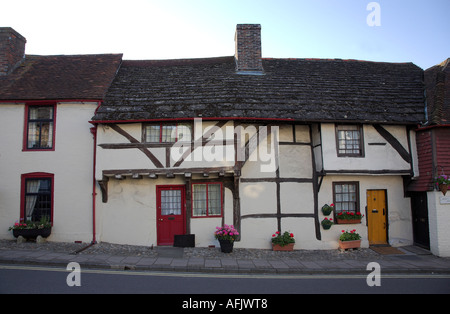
[[404, 260]]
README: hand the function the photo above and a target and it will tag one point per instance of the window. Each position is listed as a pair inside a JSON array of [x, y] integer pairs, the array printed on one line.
[[349, 140], [37, 197], [167, 133], [40, 127], [346, 196], [206, 199]]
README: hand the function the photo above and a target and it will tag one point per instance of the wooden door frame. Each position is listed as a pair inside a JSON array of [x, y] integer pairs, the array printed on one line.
[[159, 188], [386, 215]]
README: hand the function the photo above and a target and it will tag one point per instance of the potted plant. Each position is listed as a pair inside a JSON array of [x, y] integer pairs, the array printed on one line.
[[31, 230], [349, 240], [327, 209], [442, 182], [327, 223], [226, 236], [283, 242], [349, 217]]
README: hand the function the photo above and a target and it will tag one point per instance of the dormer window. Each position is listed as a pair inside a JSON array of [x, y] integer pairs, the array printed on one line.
[[349, 141], [167, 132]]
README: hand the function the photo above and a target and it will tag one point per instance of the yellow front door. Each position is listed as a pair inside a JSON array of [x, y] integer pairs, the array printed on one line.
[[376, 216]]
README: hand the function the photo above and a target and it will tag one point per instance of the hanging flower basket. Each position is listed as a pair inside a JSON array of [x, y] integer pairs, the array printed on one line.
[[442, 182], [327, 209], [327, 223]]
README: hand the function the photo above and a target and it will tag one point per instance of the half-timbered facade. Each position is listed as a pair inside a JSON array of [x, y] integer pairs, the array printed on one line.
[[141, 151], [184, 146]]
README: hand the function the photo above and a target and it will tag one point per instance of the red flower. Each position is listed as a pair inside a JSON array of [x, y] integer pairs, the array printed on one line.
[[291, 235], [332, 205], [273, 235]]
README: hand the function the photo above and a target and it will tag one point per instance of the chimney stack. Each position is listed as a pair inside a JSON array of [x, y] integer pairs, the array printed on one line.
[[248, 49], [12, 49]]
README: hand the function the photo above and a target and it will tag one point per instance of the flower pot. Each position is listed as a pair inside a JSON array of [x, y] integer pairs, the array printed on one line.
[[32, 233], [348, 221], [326, 210], [287, 247], [443, 188], [326, 227], [349, 244], [226, 246]]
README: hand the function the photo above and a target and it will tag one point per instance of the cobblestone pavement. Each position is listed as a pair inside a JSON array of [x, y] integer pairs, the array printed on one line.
[[210, 253]]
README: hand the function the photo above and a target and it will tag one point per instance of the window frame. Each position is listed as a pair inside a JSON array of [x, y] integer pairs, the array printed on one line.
[[359, 129], [161, 125], [23, 192], [27, 122], [207, 203], [357, 200]]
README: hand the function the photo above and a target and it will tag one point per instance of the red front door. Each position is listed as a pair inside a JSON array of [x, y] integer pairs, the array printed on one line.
[[170, 212]]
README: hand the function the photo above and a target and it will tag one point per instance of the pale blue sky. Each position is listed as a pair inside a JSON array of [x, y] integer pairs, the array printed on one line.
[[410, 30]]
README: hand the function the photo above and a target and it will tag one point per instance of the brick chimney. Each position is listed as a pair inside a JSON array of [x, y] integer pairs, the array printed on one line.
[[248, 49], [12, 49]]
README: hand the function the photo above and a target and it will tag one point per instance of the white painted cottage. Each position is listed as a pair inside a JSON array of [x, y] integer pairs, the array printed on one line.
[[184, 146]]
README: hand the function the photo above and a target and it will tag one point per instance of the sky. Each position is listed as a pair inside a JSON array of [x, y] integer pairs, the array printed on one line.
[[405, 30]]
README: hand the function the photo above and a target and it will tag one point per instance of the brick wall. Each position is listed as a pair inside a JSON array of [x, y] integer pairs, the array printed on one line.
[[248, 47], [12, 49]]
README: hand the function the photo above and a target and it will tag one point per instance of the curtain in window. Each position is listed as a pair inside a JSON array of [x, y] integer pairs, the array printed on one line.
[[30, 200], [40, 127], [214, 199], [199, 205], [152, 133], [170, 202]]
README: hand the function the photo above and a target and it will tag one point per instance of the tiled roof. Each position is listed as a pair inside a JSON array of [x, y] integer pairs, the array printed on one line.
[[60, 77], [298, 89]]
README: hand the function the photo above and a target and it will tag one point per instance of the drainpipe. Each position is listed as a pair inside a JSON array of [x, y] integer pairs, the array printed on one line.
[[94, 193]]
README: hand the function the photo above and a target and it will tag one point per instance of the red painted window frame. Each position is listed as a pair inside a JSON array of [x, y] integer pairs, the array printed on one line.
[[25, 131], [36, 175], [221, 200]]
